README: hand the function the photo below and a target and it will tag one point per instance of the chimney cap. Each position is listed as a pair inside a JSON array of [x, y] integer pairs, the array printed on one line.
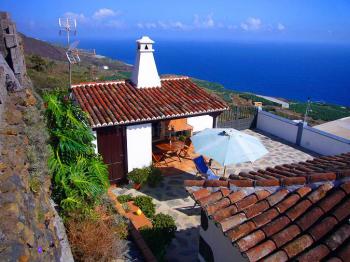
[[145, 40]]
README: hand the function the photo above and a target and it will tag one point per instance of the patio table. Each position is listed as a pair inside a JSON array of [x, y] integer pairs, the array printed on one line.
[[174, 147]]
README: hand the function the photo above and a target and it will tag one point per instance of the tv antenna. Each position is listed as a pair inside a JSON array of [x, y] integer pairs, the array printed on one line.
[[68, 26], [307, 109]]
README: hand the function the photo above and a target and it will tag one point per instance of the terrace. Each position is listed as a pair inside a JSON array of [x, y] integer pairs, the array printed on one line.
[[171, 197]]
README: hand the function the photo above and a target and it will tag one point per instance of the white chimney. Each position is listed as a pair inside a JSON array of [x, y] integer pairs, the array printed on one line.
[[145, 72]]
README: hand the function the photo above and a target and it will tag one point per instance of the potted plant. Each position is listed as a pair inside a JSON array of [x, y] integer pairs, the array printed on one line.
[[139, 176]]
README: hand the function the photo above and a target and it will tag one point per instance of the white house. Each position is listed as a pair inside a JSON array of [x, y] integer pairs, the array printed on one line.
[[128, 116]]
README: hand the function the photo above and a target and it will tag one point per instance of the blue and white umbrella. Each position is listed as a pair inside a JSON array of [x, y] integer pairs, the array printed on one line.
[[228, 146]]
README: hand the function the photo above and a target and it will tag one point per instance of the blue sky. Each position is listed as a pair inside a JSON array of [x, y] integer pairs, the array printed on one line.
[[248, 20]]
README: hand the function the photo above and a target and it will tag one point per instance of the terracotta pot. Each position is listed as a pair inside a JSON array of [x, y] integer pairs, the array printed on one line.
[[137, 186]]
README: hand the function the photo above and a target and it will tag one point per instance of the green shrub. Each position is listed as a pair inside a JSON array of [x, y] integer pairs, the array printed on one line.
[[155, 177], [139, 175], [145, 203], [125, 198], [79, 177], [159, 237]]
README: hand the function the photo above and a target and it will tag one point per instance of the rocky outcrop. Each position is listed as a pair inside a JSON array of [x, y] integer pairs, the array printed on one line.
[[28, 223], [11, 47]]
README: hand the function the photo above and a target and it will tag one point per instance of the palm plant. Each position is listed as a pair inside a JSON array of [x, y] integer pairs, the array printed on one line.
[[79, 176]]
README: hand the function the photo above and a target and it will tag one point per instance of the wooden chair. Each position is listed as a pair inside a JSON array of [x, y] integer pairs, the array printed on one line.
[[158, 158], [185, 150]]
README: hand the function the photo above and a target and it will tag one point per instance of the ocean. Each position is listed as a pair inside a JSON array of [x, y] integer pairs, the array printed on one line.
[[289, 70]]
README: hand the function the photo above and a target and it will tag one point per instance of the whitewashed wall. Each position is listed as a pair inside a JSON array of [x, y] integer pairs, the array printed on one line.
[[200, 123], [95, 142], [139, 146], [221, 246], [278, 126], [323, 143]]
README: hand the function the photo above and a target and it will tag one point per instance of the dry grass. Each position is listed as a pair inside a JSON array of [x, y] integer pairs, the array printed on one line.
[[94, 240]]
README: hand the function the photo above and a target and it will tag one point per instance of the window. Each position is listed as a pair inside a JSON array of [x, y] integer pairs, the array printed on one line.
[[205, 250]]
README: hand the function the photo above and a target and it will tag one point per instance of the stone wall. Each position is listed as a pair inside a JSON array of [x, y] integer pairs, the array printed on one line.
[[28, 223], [11, 47]]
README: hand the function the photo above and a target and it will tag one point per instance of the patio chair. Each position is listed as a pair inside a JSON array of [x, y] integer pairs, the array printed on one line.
[[203, 169], [185, 150], [158, 158]]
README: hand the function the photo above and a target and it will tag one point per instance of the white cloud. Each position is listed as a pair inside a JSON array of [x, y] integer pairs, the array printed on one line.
[[207, 22], [104, 13], [79, 17], [251, 24], [280, 27]]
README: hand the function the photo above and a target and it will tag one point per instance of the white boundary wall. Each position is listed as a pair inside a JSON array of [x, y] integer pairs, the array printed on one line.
[[139, 145], [200, 123], [311, 138], [323, 143], [278, 126], [95, 142]]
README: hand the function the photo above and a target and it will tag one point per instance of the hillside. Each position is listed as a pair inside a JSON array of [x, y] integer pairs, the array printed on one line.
[[47, 67]]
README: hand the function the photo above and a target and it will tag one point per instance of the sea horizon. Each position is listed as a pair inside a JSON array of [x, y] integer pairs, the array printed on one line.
[[290, 70]]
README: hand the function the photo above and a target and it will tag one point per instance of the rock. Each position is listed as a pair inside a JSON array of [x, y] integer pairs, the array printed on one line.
[[30, 100], [23, 258], [13, 117], [28, 236]]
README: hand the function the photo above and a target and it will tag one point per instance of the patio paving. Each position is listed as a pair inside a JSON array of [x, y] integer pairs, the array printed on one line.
[[171, 197]]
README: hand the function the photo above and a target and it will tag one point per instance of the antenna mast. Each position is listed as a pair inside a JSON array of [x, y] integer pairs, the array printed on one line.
[[68, 25], [307, 109]]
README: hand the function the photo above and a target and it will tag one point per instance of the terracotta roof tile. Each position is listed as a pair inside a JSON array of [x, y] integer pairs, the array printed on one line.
[[298, 245], [241, 230], [119, 102], [342, 211], [232, 221], [322, 228], [344, 252], [338, 237], [306, 222], [309, 218], [201, 193], [279, 256], [314, 254], [265, 217], [286, 235], [260, 251], [276, 225], [297, 210], [250, 240]]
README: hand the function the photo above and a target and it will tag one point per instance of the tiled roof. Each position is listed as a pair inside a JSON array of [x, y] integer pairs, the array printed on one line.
[[305, 222], [119, 102], [318, 169]]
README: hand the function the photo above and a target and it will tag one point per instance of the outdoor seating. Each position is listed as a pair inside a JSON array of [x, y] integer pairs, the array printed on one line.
[[184, 152], [203, 169], [158, 158]]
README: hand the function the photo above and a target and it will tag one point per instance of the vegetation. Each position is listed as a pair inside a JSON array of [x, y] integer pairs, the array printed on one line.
[[325, 112], [79, 177], [160, 235], [145, 203], [155, 177], [139, 175], [125, 198]]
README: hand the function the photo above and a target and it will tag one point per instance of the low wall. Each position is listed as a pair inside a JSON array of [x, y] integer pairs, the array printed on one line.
[[307, 137], [278, 126], [200, 123], [323, 143]]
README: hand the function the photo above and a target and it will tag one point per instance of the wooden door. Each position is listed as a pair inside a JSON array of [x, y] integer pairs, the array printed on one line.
[[111, 144]]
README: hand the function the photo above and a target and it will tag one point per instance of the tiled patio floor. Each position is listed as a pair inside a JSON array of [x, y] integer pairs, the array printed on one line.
[[171, 197]]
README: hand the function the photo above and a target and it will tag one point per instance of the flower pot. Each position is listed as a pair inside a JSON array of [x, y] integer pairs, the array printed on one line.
[[137, 186]]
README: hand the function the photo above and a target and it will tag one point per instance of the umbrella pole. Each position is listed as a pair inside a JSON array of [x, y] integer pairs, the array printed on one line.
[[224, 171]]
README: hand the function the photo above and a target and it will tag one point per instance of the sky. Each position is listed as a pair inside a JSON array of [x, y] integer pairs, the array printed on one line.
[[237, 20]]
